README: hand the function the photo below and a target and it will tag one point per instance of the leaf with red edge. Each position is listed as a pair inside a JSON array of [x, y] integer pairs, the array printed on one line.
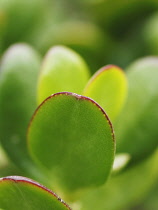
[[108, 87], [71, 136], [21, 193]]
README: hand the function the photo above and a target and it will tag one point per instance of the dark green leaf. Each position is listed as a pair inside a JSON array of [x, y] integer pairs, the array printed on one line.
[[136, 128], [18, 79]]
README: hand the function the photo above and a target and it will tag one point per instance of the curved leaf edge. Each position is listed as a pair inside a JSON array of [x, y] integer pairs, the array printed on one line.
[[78, 97], [101, 71], [18, 179]]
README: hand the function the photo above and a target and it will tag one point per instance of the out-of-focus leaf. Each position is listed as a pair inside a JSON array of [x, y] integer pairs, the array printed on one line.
[[18, 18], [18, 79], [118, 15], [84, 37], [72, 33], [18, 193], [151, 201], [136, 128], [108, 87], [3, 158], [126, 189], [151, 33], [71, 136], [62, 70]]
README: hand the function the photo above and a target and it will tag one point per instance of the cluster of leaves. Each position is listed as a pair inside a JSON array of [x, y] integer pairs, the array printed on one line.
[[88, 26], [69, 144]]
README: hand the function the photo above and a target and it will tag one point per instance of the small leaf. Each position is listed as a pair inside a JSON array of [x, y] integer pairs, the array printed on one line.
[[18, 77], [62, 70], [71, 136], [18, 193], [136, 128], [108, 87]]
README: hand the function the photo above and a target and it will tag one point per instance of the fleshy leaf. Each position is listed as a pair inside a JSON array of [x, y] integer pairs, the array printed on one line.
[[71, 136], [136, 128], [62, 70], [126, 189], [18, 193], [108, 87], [18, 78]]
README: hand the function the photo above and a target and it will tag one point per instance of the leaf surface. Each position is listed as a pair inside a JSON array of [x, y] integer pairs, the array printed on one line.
[[62, 70], [18, 193], [18, 78], [126, 189], [136, 128], [108, 87], [71, 136]]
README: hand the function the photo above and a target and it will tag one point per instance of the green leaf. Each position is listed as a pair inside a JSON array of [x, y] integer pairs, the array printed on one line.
[[18, 79], [77, 33], [136, 128], [3, 158], [18, 193], [71, 136], [19, 18], [126, 189], [62, 70], [108, 87], [150, 33]]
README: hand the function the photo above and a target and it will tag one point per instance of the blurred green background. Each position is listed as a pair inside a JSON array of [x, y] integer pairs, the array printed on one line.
[[102, 31]]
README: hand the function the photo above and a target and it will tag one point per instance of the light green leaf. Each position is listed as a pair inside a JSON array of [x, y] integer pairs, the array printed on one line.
[[20, 193], [136, 128], [62, 70], [3, 158], [71, 136], [18, 77], [108, 87]]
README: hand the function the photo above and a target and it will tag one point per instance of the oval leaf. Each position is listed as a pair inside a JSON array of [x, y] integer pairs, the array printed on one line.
[[136, 128], [18, 79], [18, 193], [71, 136], [108, 87], [62, 70]]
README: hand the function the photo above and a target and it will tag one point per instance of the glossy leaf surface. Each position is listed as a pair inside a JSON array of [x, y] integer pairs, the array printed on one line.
[[62, 70], [136, 129], [18, 79], [108, 87], [18, 193], [71, 136]]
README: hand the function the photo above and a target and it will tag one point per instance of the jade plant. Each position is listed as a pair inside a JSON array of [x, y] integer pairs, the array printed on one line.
[[59, 126]]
